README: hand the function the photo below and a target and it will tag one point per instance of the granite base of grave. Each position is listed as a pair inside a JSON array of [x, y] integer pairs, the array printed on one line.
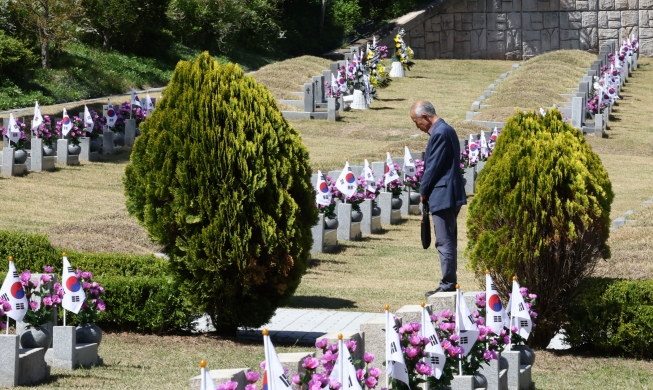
[[63, 157], [388, 215], [347, 229], [21, 367], [293, 361], [107, 142], [130, 132], [459, 382], [9, 167], [219, 376], [412, 313], [67, 354], [370, 224], [85, 154], [38, 162], [479, 166], [373, 333], [324, 240], [470, 180], [497, 379], [406, 207], [514, 363]]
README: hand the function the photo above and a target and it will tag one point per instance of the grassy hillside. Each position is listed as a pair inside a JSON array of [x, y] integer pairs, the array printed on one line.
[[81, 72]]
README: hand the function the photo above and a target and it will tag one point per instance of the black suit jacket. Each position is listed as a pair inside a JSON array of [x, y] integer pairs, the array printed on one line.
[[442, 182]]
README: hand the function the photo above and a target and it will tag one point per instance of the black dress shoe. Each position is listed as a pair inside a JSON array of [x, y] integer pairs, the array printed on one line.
[[437, 290]]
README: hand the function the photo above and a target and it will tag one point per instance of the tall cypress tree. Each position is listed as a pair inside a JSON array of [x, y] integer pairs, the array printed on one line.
[[223, 182], [542, 213]]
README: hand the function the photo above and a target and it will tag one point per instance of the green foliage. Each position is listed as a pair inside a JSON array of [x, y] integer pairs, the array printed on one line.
[[14, 55], [541, 213], [144, 304], [30, 251], [346, 13], [223, 182], [613, 317]]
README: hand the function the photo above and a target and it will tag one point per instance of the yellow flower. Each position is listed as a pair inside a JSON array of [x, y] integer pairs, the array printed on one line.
[[397, 38]]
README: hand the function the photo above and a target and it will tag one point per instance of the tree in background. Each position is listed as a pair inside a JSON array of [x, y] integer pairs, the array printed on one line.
[[222, 181], [133, 26], [223, 24], [53, 21], [542, 213]]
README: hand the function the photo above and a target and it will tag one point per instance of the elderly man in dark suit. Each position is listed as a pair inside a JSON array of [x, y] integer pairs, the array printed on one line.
[[442, 188]]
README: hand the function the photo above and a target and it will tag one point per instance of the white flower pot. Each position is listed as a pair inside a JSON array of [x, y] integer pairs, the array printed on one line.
[[397, 70], [359, 102]]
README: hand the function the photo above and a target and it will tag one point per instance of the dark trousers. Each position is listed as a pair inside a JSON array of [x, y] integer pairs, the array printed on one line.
[[446, 240]]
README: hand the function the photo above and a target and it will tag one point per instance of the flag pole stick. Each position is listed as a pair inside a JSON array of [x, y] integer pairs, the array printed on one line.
[[514, 278], [7, 326], [387, 334], [341, 345], [64, 317], [458, 321], [268, 368]]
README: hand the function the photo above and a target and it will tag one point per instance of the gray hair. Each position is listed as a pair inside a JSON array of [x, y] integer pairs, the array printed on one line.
[[424, 107]]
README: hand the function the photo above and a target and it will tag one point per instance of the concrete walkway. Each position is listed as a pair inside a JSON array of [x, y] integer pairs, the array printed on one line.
[[300, 326]]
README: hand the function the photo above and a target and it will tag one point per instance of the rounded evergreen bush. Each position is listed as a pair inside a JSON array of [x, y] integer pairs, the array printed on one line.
[[542, 213], [223, 182]]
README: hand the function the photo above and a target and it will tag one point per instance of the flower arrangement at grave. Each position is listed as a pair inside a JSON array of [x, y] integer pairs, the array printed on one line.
[[135, 112], [76, 133], [93, 305], [372, 195], [403, 53], [121, 115], [358, 78], [395, 187], [330, 210], [23, 136], [465, 160], [413, 348], [413, 182], [486, 348], [339, 85], [40, 313], [4, 308], [46, 133], [374, 56], [99, 121]]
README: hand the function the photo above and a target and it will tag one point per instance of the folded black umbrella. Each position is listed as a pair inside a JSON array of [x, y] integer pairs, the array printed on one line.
[[426, 226]]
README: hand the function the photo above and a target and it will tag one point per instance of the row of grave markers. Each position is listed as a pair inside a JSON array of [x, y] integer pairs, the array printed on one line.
[[37, 161]]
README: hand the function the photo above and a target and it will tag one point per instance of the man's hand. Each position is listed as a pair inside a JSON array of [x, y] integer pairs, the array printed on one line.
[[423, 199]]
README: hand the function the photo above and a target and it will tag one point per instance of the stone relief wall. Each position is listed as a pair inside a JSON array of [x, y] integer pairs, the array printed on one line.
[[520, 29]]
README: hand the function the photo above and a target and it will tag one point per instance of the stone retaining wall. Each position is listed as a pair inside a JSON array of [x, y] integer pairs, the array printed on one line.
[[520, 29]]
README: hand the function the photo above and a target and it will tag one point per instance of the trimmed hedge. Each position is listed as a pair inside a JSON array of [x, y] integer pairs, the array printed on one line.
[[145, 305], [140, 295], [613, 317]]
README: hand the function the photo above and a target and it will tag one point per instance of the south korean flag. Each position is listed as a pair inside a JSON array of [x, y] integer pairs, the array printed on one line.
[[465, 326], [436, 357], [394, 357], [274, 376], [149, 104], [344, 370], [13, 132], [111, 116], [409, 163], [38, 118], [88, 120], [369, 177], [493, 139], [74, 295], [390, 171], [12, 291], [484, 147], [495, 315], [323, 195], [518, 313], [473, 150], [346, 181]]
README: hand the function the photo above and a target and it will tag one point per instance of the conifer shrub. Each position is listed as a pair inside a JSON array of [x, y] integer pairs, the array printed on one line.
[[223, 182], [613, 317], [541, 213]]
